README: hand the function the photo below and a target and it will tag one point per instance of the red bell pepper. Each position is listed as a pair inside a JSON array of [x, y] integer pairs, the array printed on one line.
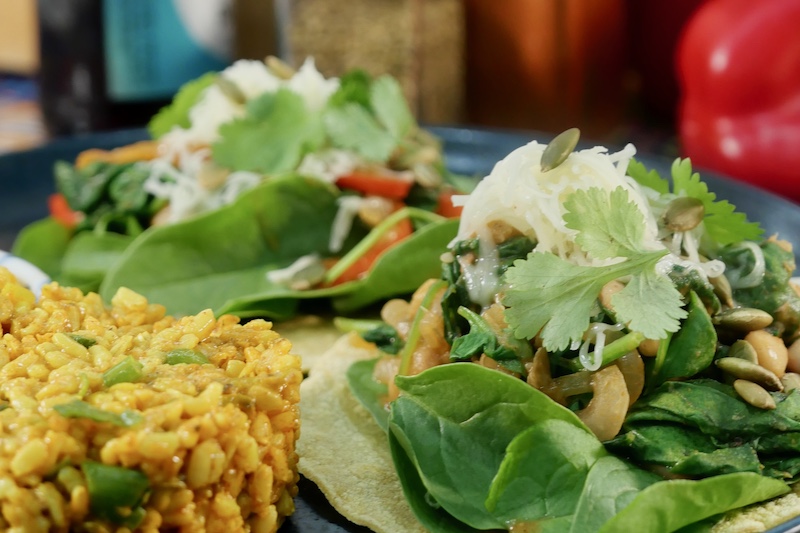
[[372, 183], [738, 65]]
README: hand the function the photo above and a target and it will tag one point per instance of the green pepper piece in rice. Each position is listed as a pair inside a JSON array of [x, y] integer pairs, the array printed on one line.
[[182, 356], [81, 409], [128, 370], [113, 490]]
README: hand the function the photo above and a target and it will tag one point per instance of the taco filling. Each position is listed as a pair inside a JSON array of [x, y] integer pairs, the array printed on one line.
[[603, 348]]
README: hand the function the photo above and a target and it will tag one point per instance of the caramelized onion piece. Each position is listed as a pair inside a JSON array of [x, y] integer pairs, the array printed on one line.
[[632, 368], [609, 405]]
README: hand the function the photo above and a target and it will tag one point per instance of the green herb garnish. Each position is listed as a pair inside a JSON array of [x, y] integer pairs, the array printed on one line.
[[545, 286]]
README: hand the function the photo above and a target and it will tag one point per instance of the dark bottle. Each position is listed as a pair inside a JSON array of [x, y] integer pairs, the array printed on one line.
[[109, 64]]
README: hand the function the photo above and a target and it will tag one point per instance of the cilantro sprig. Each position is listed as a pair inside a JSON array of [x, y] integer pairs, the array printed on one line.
[[369, 117], [555, 299], [722, 223]]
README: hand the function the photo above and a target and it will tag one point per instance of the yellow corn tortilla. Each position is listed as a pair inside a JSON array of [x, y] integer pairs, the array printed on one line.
[[311, 336], [344, 451]]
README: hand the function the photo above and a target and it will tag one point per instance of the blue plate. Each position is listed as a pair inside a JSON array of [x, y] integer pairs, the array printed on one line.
[[26, 181]]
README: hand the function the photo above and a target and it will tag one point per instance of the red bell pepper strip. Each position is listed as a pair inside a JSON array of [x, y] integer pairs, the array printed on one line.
[[445, 205], [62, 212], [739, 71], [376, 184]]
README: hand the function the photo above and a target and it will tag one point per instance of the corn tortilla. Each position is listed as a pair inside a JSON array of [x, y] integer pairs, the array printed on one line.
[[344, 451]]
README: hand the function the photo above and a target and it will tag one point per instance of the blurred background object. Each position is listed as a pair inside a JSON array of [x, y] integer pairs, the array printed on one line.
[[419, 42], [739, 66], [606, 66], [108, 64]]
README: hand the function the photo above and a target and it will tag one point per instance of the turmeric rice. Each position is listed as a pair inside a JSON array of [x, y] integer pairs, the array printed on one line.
[[121, 418]]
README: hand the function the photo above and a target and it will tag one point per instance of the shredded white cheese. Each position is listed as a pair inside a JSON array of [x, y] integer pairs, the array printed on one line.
[[518, 193]]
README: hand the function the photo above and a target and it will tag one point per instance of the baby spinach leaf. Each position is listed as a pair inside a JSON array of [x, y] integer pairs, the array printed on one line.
[[671, 505], [370, 393], [690, 349], [402, 268], [543, 471], [430, 514], [609, 487], [462, 413], [385, 338], [89, 256], [716, 410], [43, 243], [210, 259]]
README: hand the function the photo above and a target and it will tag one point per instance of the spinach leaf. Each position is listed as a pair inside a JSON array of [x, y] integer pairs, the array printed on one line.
[[461, 413], [610, 486], [385, 337], [716, 410], [89, 256], [370, 393], [543, 471], [482, 339], [430, 514], [670, 505], [210, 259], [43, 243], [689, 350], [401, 269]]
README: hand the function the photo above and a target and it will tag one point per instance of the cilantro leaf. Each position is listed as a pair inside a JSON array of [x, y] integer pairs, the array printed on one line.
[[649, 304], [605, 233], [177, 112], [650, 179], [721, 221], [274, 135], [554, 298], [354, 87], [352, 127], [391, 107]]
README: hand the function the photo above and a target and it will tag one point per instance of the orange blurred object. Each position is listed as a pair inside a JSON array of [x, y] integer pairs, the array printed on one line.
[[546, 64]]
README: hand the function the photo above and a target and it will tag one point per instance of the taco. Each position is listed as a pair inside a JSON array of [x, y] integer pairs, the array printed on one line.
[[605, 350]]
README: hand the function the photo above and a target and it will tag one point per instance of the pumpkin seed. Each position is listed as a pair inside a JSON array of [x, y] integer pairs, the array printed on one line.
[[791, 381], [754, 394], [279, 68], [684, 213], [742, 349], [723, 289], [231, 90], [742, 369], [742, 319], [557, 151]]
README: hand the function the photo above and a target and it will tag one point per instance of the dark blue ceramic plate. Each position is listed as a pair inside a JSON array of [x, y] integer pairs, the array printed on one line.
[[26, 181]]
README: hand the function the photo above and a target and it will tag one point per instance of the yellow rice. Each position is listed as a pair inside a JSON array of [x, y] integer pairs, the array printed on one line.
[[216, 441]]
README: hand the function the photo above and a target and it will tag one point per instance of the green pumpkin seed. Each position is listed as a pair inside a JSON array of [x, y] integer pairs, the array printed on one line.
[[742, 349], [791, 381], [557, 151], [684, 213], [231, 90], [743, 319], [741, 369], [723, 289], [279, 68], [754, 394]]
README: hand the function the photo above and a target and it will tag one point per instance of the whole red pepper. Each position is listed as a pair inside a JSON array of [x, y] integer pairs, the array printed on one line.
[[739, 71]]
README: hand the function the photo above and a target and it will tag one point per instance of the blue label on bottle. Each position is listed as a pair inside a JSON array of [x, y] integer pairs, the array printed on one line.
[[152, 47]]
